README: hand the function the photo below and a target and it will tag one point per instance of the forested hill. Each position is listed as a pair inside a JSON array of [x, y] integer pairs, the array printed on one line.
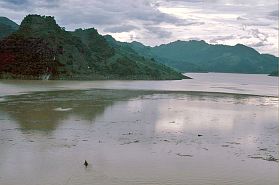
[[199, 56], [7, 27], [41, 49]]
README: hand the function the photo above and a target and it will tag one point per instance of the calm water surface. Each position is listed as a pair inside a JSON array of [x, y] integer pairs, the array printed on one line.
[[205, 82], [165, 136]]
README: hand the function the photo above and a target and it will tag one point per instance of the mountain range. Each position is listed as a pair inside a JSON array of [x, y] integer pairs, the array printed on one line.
[[39, 48], [199, 56]]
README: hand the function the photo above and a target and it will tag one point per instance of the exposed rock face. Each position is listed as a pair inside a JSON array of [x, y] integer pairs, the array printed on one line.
[[40, 49], [27, 57]]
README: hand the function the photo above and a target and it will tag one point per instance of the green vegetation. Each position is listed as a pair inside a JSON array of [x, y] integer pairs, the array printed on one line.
[[7, 27], [40, 49], [198, 56], [274, 73]]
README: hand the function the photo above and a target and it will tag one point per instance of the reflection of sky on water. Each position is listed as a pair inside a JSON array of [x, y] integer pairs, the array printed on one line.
[[167, 112], [130, 132], [203, 113]]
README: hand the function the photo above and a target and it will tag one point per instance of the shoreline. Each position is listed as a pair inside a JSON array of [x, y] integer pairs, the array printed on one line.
[[142, 91], [250, 85]]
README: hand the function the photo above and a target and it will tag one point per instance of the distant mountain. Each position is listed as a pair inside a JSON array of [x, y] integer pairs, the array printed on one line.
[[199, 56], [41, 49], [7, 27]]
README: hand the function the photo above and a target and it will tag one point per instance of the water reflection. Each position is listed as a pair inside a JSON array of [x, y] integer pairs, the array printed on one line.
[[138, 137], [44, 111], [168, 111]]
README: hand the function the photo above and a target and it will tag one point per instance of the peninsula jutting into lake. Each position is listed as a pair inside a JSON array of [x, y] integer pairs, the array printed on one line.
[[39, 48], [139, 92]]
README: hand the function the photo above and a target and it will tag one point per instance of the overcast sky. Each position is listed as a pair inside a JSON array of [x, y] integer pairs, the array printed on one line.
[[153, 22]]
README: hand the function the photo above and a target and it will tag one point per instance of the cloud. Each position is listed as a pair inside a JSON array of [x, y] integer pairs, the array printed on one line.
[[155, 22], [259, 35], [107, 12], [259, 44], [15, 2], [29, 4], [274, 14], [221, 38], [229, 22], [241, 18], [121, 28], [159, 32]]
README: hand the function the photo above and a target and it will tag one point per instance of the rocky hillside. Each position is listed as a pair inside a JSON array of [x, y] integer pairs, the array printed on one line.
[[41, 49]]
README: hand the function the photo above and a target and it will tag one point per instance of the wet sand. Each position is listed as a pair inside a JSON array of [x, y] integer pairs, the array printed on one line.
[[138, 137]]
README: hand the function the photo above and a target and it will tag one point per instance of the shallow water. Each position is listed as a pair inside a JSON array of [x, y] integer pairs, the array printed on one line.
[[138, 137], [255, 84]]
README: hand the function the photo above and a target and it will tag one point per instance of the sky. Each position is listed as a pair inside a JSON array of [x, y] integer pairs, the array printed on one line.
[[154, 22]]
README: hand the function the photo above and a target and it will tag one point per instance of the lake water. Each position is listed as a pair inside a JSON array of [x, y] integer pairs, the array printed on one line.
[[201, 82], [215, 129]]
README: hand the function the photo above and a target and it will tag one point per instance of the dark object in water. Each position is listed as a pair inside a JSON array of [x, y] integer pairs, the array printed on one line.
[[199, 135], [85, 163]]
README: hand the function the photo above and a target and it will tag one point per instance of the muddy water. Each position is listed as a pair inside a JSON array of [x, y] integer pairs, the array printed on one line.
[[138, 137], [255, 84]]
